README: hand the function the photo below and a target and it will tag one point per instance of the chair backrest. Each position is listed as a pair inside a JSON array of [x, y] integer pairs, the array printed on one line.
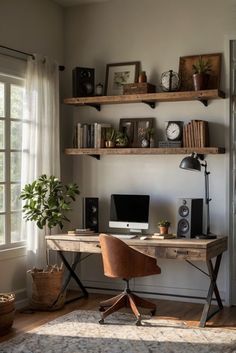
[[122, 261]]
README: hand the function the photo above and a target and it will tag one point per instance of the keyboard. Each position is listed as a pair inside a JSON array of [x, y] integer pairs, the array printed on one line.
[[124, 236]]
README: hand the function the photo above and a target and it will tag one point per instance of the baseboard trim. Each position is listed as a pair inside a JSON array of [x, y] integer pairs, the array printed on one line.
[[153, 294]]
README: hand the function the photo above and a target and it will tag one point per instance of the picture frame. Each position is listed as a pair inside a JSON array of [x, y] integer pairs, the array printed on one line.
[[135, 129], [186, 71], [118, 74]]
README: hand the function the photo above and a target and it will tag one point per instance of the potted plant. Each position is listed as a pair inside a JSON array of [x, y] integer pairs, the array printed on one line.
[[46, 202], [121, 139], [163, 225], [110, 137], [150, 135], [201, 73]]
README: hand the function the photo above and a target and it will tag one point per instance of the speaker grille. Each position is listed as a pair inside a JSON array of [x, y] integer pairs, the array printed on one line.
[[189, 217], [91, 213]]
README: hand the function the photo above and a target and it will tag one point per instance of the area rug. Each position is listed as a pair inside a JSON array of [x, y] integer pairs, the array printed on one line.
[[80, 332]]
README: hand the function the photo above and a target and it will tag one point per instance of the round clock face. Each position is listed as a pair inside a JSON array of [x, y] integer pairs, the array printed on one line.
[[173, 131]]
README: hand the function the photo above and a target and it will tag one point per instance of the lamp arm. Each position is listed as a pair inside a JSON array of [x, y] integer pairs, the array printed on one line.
[[207, 198]]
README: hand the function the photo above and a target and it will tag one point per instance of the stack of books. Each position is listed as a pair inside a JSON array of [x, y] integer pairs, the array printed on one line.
[[81, 231], [90, 135], [163, 236], [196, 134]]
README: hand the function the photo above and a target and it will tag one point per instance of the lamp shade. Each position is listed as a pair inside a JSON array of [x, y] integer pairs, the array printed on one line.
[[191, 163]]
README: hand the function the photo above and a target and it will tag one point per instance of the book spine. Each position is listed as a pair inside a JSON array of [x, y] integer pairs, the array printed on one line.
[[78, 135], [85, 136]]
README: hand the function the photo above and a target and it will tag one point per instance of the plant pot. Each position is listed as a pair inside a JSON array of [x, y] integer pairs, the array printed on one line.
[[164, 230], [7, 311], [200, 81], [46, 289], [109, 144]]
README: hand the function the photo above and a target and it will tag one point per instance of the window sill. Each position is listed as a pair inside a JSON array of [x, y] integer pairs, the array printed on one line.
[[6, 254]]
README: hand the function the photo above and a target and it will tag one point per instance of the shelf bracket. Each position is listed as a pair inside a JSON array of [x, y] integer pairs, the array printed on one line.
[[96, 106], [151, 104], [97, 156], [203, 101]]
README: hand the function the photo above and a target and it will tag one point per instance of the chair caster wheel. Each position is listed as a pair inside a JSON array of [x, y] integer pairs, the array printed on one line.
[[153, 312], [101, 308], [101, 321], [138, 322]]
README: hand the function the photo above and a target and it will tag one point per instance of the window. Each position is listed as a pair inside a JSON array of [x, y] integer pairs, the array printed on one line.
[[11, 120]]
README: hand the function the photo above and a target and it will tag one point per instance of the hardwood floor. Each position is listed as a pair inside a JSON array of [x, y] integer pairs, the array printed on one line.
[[188, 312]]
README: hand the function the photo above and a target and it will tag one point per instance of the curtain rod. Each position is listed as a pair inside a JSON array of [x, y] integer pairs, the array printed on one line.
[[61, 67]]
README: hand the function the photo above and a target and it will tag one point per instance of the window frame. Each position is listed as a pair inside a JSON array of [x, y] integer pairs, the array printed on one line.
[[9, 80]]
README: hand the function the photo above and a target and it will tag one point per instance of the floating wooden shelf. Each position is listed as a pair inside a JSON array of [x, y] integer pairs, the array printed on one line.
[[96, 152], [148, 98]]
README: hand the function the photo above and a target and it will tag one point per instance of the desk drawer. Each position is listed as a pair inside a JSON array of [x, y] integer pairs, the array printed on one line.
[[90, 247], [181, 253]]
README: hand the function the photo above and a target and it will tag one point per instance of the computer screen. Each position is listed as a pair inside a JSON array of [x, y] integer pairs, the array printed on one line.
[[129, 211]]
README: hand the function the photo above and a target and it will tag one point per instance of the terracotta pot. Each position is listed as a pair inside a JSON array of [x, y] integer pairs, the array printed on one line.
[[200, 81], [164, 230]]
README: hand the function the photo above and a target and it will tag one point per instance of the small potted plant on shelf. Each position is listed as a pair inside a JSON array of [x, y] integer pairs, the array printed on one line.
[[121, 139], [150, 136], [110, 138], [201, 73], [46, 202], [164, 225]]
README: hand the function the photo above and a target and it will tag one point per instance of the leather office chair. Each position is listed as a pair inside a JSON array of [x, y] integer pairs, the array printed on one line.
[[121, 261]]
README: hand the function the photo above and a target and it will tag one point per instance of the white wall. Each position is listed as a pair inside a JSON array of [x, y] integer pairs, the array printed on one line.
[[34, 26], [157, 33]]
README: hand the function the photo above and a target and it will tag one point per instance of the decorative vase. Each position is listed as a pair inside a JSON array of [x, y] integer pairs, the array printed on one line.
[[142, 77], [109, 144], [144, 143], [200, 81], [152, 142], [164, 230]]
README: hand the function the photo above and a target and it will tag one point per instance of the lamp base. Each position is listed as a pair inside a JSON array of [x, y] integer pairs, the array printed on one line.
[[205, 236]]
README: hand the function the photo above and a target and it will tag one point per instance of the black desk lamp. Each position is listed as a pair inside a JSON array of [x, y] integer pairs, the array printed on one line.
[[194, 163]]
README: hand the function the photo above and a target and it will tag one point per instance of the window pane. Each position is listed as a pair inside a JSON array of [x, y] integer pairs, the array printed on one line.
[[2, 134], [2, 166], [15, 200], [15, 166], [17, 93], [2, 198], [16, 134], [16, 227], [2, 100], [2, 229]]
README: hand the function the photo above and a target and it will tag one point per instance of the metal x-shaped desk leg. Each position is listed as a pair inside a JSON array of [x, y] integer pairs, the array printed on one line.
[[213, 273], [72, 273]]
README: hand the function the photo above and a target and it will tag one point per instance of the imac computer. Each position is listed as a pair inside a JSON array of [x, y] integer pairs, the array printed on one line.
[[129, 212]]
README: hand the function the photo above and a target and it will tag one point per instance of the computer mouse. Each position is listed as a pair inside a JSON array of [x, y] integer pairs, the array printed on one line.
[[143, 237]]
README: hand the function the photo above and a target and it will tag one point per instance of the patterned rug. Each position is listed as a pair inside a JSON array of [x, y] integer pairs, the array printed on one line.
[[80, 332]]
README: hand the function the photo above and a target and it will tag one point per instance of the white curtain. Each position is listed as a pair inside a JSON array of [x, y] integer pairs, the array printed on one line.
[[41, 152]]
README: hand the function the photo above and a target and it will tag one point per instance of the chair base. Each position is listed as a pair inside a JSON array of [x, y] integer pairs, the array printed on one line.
[[122, 300]]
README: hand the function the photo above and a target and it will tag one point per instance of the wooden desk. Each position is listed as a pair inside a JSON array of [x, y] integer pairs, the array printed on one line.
[[179, 249]]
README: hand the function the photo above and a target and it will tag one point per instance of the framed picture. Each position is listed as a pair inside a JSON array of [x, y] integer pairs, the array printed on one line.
[[119, 74], [186, 70], [136, 129]]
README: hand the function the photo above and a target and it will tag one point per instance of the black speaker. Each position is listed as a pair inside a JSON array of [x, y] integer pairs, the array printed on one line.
[[189, 217], [83, 82], [91, 213]]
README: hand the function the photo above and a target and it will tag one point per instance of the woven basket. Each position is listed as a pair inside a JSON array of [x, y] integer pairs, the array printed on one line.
[[7, 311], [46, 289]]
